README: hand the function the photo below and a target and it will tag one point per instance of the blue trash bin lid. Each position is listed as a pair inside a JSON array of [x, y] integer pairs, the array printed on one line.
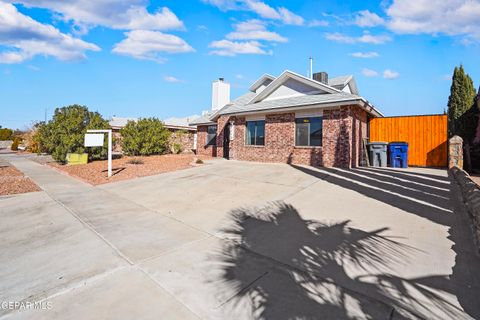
[[399, 143]]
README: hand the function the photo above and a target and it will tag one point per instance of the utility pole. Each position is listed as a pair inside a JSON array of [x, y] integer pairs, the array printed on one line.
[[45, 115], [311, 67]]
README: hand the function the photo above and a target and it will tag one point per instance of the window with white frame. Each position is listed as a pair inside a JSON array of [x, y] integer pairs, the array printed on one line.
[[255, 135], [308, 131], [212, 135]]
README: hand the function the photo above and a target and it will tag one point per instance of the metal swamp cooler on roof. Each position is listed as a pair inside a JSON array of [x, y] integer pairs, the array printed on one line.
[[378, 154]]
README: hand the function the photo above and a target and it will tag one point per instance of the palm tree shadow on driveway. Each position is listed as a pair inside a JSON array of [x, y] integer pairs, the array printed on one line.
[[290, 268]]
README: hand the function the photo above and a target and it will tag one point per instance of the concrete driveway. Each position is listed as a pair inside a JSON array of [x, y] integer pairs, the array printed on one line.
[[239, 240]]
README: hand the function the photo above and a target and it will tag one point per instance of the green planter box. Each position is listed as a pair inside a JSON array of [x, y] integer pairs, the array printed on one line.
[[77, 158]]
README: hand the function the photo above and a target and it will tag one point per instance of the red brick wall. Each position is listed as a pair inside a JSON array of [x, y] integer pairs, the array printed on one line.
[[342, 132], [202, 148]]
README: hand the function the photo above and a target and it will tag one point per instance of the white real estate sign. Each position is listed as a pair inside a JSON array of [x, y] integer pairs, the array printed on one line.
[[94, 140]]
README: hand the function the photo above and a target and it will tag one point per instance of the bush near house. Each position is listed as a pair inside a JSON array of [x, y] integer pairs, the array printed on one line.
[[15, 143], [6, 134], [65, 133], [145, 137]]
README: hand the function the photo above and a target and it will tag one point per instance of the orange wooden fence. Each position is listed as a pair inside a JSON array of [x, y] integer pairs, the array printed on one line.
[[426, 137]]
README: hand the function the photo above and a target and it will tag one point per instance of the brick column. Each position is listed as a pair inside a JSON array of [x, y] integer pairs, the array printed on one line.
[[455, 152]]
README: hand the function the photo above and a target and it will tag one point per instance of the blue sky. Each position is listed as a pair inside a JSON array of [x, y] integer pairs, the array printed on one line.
[[138, 58]]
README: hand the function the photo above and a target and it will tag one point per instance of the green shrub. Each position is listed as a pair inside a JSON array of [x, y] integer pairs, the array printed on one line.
[[6, 134], [65, 133], [177, 148], [144, 137], [15, 143]]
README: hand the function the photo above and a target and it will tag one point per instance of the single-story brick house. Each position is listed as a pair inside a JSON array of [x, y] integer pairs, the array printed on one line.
[[290, 119], [182, 133]]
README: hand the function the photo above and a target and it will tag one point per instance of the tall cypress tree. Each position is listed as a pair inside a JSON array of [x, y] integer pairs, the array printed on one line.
[[462, 95]]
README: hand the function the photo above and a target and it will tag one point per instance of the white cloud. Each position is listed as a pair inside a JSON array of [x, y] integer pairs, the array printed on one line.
[[224, 5], [450, 17], [172, 79], [369, 73], [366, 18], [148, 45], [254, 30], [116, 14], [290, 18], [365, 55], [240, 76], [28, 38], [389, 74], [318, 23], [365, 38], [233, 48], [260, 8]]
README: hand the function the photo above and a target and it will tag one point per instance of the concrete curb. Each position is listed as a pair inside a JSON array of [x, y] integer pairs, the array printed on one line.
[[471, 197]]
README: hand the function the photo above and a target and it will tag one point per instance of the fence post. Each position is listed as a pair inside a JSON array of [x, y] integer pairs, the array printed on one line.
[[455, 152]]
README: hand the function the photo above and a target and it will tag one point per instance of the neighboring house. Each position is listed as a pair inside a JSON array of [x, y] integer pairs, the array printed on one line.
[[289, 119], [182, 133]]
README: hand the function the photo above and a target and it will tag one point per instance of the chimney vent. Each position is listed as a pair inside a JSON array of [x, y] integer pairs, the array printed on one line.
[[321, 77]]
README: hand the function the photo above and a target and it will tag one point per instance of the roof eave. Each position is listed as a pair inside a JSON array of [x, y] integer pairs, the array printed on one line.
[[328, 104], [371, 109]]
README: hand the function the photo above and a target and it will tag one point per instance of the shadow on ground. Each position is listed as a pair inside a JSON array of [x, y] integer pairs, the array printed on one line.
[[291, 268]]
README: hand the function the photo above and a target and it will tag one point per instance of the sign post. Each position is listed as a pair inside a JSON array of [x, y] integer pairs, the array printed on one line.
[[94, 138]]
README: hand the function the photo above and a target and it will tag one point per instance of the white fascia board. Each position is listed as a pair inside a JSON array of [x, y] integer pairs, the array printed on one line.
[[353, 86], [261, 80], [295, 76], [371, 109]]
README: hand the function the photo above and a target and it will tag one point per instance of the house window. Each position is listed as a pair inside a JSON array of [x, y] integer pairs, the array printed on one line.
[[212, 135], [255, 133], [308, 131]]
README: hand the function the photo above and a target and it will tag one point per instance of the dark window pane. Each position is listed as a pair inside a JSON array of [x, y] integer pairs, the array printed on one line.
[[301, 131], [260, 133], [211, 135], [212, 129], [250, 138], [316, 131]]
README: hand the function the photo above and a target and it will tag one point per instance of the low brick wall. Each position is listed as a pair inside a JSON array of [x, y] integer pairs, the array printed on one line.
[[471, 197]]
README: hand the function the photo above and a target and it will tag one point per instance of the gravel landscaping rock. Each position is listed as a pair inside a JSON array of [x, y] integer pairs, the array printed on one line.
[[13, 181], [95, 172]]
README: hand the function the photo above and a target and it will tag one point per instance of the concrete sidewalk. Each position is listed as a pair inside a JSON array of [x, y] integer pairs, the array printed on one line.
[[243, 241], [73, 238]]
